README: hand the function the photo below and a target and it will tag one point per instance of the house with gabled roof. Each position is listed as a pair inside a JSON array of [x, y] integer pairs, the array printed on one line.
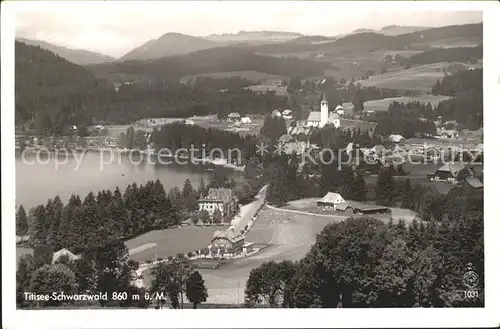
[[231, 241], [334, 201], [218, 198]]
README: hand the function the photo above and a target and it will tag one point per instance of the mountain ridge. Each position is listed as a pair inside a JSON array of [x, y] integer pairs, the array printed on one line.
[[76, 56]]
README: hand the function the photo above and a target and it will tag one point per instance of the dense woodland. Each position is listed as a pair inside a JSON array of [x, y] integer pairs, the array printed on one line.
[[457, 54], [409, 120], [180, 136], [466, 104]]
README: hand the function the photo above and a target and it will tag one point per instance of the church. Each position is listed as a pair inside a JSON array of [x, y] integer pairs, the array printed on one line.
[[323, 117]]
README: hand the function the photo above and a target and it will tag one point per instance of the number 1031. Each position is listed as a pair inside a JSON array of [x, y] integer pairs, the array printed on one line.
[[471, 293]]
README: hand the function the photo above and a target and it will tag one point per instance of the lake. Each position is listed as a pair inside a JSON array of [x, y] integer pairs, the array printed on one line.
[[43, 176]]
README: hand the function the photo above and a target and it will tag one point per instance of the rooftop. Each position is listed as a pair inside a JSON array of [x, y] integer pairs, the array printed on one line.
[[330, 197], [229, 234], [452, 167], [219, 194], [316, 116]]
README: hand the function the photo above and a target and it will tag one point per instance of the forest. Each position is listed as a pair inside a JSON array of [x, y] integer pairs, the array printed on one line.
[[457, 54], [466, 104]]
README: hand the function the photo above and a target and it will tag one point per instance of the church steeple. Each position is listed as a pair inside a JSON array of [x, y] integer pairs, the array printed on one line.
[[324, 111]]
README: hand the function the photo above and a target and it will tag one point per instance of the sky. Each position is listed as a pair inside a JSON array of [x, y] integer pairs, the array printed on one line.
[[114, 28]]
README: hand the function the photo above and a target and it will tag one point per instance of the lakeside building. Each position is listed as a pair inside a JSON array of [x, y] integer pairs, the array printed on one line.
[[218, 198]]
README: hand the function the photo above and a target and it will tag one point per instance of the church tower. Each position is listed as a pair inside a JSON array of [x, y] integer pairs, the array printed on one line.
[[324, 111]]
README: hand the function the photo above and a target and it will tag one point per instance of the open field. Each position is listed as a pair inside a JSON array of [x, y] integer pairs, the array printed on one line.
[[310, 204], [264, 88], [416, 78], [246, 129], [383, 104], [254, 76], [291, 236], [169, 242]]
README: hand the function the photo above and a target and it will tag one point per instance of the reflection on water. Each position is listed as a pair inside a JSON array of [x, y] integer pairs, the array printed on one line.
[[40, 177]]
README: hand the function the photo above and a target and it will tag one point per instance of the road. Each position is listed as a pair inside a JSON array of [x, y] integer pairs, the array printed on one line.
[[247, 211]]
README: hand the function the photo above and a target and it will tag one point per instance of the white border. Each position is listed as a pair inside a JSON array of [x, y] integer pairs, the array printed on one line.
[[291, 318]]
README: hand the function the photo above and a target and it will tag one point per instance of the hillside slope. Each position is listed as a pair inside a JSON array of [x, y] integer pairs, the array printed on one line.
[[77, 56], [169, 44], [221, 59], [51, 91]]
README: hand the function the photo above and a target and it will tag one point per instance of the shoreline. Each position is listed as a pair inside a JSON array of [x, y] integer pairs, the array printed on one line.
[[149, 152]]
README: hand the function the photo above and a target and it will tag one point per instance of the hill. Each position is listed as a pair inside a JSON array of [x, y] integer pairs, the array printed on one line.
[[77, 56], [310, 39], [398, 29], [254, 37], [221, 59], [411, 40], [169, 44], [371, 41], [50, 91]]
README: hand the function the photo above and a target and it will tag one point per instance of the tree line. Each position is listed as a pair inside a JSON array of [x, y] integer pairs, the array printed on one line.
[[107, 216], [466, 104], [455, 54], [364, 262], [181, 136], [409, 120]]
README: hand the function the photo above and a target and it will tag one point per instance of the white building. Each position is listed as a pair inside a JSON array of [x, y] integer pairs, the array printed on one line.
[[218, 198], [246, 120], [333, 200], [323, 117]]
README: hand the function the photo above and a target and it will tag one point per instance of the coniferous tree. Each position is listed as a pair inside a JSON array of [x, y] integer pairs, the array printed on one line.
[[385, 188], [55, 212], [196, 292], [407, 195], [40, 226], [189, 196], [21, 221], [359, 188]]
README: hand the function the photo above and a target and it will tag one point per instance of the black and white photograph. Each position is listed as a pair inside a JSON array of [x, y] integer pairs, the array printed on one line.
[[214, 157]]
